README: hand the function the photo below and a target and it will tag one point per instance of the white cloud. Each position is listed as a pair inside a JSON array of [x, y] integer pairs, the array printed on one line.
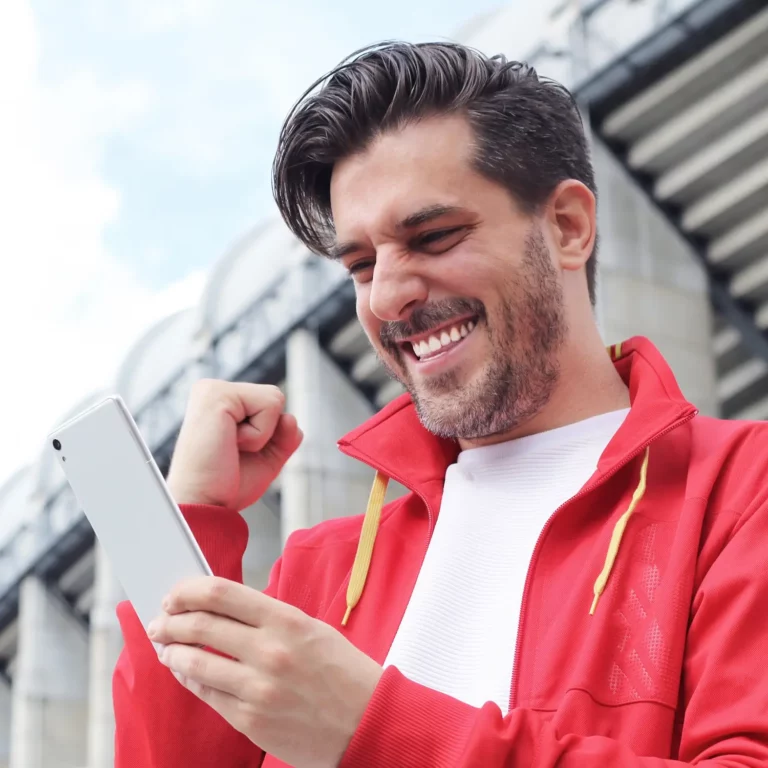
[[68, 308], [230, 73]]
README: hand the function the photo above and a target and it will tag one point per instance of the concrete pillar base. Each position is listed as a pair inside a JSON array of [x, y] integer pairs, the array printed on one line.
[[50, 710], [106, 644], [319, 482], [5, 725]]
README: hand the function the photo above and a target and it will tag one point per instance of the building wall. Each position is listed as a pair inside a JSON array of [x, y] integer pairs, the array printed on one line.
[[650, 283]]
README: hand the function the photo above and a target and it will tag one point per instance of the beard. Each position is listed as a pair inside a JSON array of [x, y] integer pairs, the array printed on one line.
[[525, 333]]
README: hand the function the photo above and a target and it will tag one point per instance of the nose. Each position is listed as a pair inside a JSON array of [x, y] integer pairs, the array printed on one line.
[[396, 288]]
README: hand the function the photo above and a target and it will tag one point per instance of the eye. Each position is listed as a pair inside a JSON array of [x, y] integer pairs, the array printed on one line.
[[439, 240], [359, 269]]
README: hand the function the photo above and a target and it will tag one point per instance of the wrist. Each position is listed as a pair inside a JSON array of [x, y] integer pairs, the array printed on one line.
[[191, 496]]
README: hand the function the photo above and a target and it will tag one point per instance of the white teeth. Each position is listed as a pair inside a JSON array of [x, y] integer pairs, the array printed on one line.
[[434, 344]]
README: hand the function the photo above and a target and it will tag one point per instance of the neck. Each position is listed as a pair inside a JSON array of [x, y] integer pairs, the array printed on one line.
[[588, 386]]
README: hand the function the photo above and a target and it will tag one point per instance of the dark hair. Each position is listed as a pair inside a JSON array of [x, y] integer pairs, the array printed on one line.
[[529, 131]]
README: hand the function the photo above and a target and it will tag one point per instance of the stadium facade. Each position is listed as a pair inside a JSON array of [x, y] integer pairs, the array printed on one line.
[[676, 95]]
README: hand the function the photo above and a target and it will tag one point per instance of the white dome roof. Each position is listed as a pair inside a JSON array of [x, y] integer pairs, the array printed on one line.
[[156, 358], [245, 271]]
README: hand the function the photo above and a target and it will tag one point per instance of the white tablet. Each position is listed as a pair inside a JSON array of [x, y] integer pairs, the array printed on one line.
[[127, 503]]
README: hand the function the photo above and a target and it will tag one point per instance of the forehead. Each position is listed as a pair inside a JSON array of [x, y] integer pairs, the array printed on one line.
[[424, 164]]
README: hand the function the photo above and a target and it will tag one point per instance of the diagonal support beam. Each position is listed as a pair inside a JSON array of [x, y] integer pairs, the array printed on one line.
[[737, 313]]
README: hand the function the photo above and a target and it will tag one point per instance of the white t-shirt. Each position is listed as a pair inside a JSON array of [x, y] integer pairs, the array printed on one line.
[[459, 630]]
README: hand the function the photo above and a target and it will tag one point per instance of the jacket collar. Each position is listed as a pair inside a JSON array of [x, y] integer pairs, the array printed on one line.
[[394, 441]]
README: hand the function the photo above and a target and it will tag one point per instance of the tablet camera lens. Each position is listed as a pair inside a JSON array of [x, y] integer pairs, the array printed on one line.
[[57, 445]]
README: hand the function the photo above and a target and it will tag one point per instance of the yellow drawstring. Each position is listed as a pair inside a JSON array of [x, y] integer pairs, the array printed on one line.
[[614, 352], [373, 516], [618, 533], [365, 545]]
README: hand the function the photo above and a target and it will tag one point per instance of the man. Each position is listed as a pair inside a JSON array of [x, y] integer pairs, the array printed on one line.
[[578, 576]]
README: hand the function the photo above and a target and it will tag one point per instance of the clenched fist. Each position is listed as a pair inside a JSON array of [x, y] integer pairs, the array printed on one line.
[[234, 441]]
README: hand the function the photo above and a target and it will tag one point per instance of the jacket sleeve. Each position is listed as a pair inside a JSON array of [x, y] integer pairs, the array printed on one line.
[[159, 724], [724, 697]]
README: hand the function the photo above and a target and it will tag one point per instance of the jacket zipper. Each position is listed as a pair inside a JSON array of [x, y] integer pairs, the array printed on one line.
[[513, 692]]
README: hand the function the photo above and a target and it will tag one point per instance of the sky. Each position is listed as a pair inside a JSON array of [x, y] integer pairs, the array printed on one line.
[[135, 147]]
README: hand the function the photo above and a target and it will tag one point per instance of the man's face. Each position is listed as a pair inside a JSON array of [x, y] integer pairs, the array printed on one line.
[[456, 288]]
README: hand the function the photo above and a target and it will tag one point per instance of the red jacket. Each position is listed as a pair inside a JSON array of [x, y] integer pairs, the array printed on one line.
[[671, 670]]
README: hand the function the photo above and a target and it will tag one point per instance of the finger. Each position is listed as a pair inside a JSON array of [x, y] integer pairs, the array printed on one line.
[[256, 430], [285, 440], [207, 670], [203, 629], [237, 713], [224, 598], [258, 470], [248, 399]]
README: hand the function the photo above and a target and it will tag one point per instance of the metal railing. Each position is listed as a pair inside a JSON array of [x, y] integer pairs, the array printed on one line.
[[279, 308], [588, 36], [605, 29]]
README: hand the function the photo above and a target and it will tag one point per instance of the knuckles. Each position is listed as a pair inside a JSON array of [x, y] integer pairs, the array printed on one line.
[[222, 391], [259, 698], [196, 665], [205, 389], [275, 393], [200, 624], [216, 590], [277, 661], [296, 622]]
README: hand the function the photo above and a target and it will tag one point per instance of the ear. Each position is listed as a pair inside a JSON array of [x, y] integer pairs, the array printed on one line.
[[571, 217]]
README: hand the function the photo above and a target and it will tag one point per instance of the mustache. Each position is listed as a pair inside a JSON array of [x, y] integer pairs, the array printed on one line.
[[424, 319]]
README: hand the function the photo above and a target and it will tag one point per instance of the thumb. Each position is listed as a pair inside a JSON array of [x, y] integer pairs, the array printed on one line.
[[286, 439], [258, 470]]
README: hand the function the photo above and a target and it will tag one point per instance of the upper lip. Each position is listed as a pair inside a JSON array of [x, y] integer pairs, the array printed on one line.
[[456, 321]]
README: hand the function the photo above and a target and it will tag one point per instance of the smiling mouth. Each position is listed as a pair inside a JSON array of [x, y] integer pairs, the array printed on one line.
[[440, 341]]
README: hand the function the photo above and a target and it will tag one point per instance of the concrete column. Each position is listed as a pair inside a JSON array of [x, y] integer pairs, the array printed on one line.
[[264, 543], [650, 283], [319, 482], [5, 724], [106, 644], [50, 710]]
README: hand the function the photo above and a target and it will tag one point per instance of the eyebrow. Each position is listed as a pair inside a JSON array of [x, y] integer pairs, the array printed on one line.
[[425, 215], [413, 220]]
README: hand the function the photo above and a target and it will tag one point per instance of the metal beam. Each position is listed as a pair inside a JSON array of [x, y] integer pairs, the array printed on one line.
[[602, 93], [738, 313], [669, 46]]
